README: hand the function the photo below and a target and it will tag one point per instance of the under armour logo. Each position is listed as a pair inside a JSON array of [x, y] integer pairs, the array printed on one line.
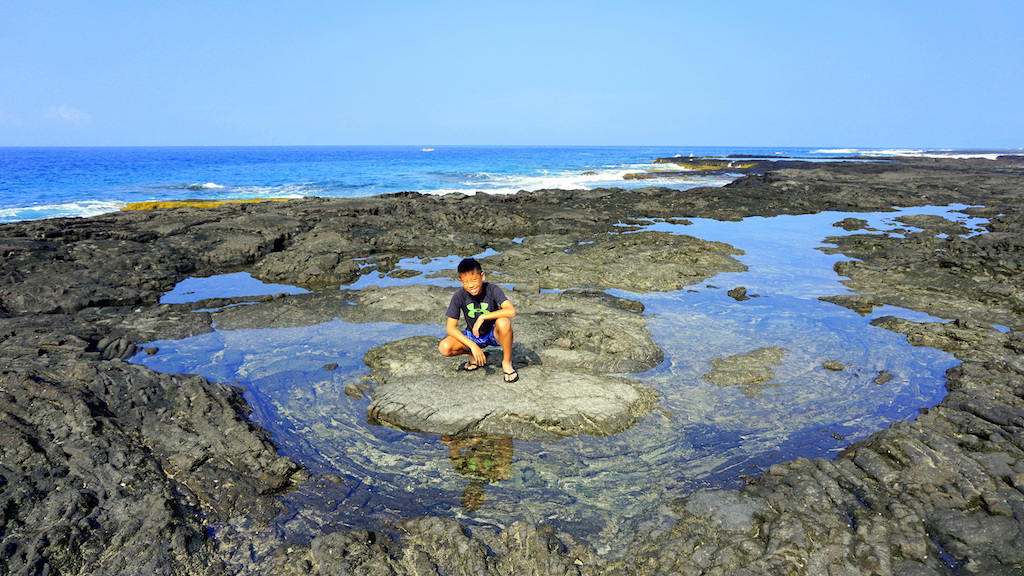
[[475, 310]]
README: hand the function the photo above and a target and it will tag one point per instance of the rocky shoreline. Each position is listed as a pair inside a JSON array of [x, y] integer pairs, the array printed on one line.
[[108, 467]]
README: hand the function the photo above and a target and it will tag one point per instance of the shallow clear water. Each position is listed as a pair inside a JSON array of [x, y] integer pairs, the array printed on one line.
[[602, 489], [238, 284]]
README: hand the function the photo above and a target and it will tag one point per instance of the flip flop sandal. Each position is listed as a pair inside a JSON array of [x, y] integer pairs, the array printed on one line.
[[514, 376], [469, 367]]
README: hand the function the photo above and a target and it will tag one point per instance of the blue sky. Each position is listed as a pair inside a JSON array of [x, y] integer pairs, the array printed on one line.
[[936, 74]]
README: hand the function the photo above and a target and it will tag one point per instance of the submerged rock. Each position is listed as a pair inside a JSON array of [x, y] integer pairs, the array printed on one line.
[[751, 371], [834, 365], [859, 304], [738, 294]]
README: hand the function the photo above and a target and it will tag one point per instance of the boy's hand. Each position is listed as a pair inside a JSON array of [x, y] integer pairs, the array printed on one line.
[[477, 353], [476, 326]]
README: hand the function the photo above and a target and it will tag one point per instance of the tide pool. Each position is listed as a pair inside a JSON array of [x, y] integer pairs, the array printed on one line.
[[703, 433]]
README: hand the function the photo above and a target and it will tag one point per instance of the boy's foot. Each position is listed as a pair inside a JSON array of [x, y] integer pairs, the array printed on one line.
[[512, 376], [469, 367]]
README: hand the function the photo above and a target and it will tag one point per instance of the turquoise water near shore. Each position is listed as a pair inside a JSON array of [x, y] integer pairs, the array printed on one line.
[[61, 182], [602, 489]]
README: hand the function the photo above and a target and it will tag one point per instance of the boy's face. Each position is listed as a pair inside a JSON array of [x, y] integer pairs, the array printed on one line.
[[473, 282]]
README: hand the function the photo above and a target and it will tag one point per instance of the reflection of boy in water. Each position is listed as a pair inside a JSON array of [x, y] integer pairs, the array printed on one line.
[[487, 459]]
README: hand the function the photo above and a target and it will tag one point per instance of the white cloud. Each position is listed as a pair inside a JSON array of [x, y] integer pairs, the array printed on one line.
[[68, 113]]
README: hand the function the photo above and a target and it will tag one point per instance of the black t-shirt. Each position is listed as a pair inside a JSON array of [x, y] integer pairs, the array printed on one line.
[[463, 303]]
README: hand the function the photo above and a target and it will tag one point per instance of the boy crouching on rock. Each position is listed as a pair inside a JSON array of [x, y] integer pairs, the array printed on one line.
[[488, 314]]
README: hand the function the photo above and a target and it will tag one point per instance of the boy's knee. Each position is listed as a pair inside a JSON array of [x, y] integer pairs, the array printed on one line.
[[503, 327], [444, 347]]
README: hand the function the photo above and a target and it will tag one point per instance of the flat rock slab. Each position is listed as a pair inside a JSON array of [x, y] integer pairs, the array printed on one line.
[[634, 261], [432, 396]]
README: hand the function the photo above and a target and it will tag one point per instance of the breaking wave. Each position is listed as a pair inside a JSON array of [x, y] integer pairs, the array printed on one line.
[[80, 209], [207, 186]]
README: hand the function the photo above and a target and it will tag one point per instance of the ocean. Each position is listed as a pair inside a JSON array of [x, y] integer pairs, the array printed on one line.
[[78, 182]]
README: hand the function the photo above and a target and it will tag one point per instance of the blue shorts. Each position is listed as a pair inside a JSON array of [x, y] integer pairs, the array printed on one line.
[[485, 340]]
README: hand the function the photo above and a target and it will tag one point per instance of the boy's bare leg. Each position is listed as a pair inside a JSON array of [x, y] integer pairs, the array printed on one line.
[[503, 333], [451, 347]]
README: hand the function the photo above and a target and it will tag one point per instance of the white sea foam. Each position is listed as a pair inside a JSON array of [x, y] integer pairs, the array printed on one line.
[[836, 151], [871, 152], [283, 192], [609, 177], [488, 183], [207, 186], [912, 153], [82, 209]]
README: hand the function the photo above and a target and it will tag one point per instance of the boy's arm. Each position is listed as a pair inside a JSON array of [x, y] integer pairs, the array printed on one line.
[[507, 310]]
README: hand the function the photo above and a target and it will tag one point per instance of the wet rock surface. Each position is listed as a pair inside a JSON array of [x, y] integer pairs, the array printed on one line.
[[939, 267], [106, 466], [571, 329], [546, 403]]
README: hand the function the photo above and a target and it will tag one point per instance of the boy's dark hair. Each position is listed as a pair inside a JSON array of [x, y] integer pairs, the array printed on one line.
[[469, 265]]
